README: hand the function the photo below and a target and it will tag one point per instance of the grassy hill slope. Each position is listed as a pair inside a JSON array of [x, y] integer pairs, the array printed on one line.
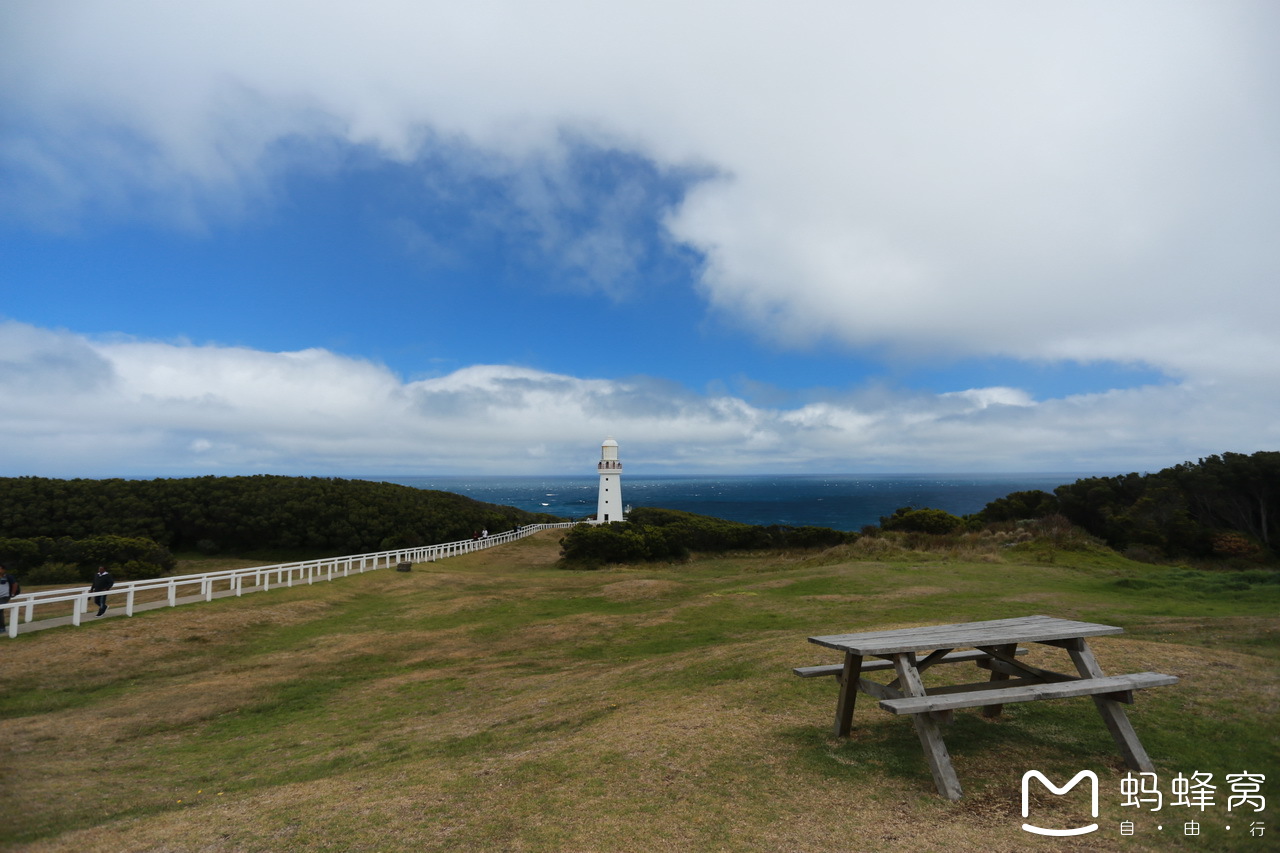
[[496, 702]]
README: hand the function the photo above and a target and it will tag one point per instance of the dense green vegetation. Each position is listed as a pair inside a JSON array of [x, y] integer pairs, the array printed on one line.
[[911, 520], [651, 534], [1222, 506], [1225, 508], [42, 520], [44, 560]]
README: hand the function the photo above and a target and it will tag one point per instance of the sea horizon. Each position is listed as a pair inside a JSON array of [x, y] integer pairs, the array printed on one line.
[[838, 501]]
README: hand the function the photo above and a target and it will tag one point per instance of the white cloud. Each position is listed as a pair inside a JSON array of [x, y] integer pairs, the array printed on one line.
[[124, 407], [1084, 181]]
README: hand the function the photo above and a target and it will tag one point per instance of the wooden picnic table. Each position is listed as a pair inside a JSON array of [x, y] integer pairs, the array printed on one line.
[[993, 645]]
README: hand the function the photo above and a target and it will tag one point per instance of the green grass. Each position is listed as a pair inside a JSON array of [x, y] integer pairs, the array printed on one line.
[[494, 701]]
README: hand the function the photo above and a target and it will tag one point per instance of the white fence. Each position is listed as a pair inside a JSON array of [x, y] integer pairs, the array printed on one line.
[[258, 577]]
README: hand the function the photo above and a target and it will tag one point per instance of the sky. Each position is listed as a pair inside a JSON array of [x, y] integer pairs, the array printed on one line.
[[401, 237]]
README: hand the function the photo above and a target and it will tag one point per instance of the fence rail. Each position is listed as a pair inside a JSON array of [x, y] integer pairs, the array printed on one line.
[[262, 578]]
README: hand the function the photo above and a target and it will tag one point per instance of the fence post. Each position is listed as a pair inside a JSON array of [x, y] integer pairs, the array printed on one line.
[[128, 602]]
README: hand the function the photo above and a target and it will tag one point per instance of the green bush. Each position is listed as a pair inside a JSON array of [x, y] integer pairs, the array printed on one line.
[[1017, 506], [56, 561], [20, 555], [911, 520], [53, 574], [670, 535]]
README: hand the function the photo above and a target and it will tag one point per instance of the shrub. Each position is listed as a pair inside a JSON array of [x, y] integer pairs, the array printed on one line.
[[665, 534], [1235, 545], [1019, 505], [20, 555], [54, 574], [136, 556], [910, 520]]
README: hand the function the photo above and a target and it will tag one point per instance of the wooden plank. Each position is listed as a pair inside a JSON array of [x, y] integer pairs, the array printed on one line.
[[1020, 668], [1117, 722], [980, 686], [935, 749], [921, 666], [878, 691], [1003, 655], [849, 677], [1028, 693], [874, 665], [997, 632], [818, 671], [937, 656]]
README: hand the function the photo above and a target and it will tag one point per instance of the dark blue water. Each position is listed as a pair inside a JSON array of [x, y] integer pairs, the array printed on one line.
[[841, 501]]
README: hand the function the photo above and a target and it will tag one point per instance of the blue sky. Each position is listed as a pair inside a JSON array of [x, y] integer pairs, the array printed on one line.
[[417, 238]]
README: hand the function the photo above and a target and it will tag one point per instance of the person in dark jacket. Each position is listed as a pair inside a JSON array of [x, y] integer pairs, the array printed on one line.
[[102, 582], [8, 589]]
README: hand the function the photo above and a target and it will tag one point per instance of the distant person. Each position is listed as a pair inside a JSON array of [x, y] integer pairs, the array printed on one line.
[[8, 589], [102, 582], [484, 534]]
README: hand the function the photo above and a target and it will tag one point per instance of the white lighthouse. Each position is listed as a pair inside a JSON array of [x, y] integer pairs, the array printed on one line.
[[609, 507]]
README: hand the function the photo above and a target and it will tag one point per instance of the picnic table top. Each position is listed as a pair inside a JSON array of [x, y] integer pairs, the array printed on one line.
[[1023, 629]]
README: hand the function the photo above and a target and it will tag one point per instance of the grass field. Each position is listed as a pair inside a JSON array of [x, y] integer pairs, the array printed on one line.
[[495, 702]]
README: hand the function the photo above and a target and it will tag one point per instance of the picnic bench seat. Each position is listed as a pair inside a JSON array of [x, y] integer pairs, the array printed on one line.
[[992, 645], [874, 665], [1114, 687]]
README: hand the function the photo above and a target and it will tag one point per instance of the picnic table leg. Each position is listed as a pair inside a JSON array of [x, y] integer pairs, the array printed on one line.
[[1112, 711], [935, 750], [848, 693], [996, 675]]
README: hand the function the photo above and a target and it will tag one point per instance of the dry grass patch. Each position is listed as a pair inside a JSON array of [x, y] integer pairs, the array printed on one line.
[[519, 707], [641, 589]]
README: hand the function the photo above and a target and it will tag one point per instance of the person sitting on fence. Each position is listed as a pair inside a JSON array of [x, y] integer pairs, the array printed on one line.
[[102, 582]]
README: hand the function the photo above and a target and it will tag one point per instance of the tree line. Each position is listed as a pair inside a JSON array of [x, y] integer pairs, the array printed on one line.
[[1221, 506], [1225, 505], [42, 520], [651, 534]]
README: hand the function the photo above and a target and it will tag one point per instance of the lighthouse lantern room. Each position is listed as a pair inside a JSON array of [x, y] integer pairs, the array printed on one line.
[[609, 507]]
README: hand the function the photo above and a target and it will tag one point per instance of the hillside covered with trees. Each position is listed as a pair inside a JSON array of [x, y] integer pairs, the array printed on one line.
[[1225, 506], [45, 520]]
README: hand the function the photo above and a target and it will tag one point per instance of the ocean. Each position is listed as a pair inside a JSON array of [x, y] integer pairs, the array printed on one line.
[[840, 501]]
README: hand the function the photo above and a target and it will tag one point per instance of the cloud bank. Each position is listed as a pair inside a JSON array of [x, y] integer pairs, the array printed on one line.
[[922, 181], [1085, 181], [81, 407]]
